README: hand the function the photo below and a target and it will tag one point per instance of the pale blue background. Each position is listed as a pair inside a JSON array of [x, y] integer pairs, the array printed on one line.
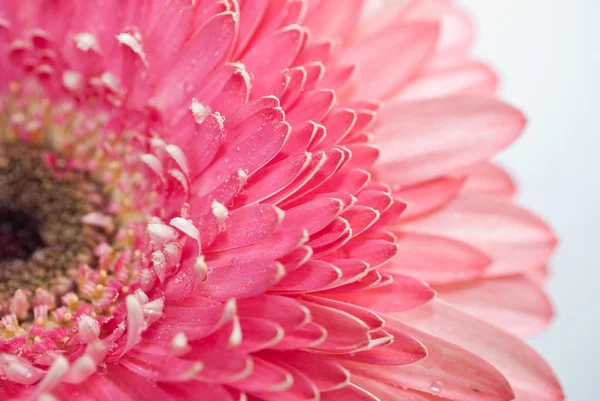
[[549, 55]]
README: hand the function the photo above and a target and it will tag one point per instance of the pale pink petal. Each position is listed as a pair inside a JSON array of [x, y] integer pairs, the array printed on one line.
[[529, 376], [487, 178], [470, 77], [334, 19], [513, 238], [441, 135], [378, 64], [437, 260], [515, 303], [448, 371]]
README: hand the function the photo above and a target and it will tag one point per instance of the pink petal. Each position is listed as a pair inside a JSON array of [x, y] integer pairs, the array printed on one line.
[[330, 18], [251, 13], [515, 303], [374, 252], [437, 260], [345, 332], [337, 77], [318, 50], [467, 77], [364, 155], [352, 270], [192, 388], [314, 215], [360, 218], [441, 135], [244, 156], [274, 247], [265, 376], [239, 278], [448, 371], [338, 124], [300, 138], [296, 258], [200, 140], [275, 52], [370, 280], [325, 373], [429, 196], [234, 93], [202, 53], [391, 214], [312, 276], [404, 350], [122, 384], [296, 81], [402, 294], [377, 200], [270, 180], [258, 334], [339, 228], [487, 178], [309, 335], [302, 387], [512, 237], [248, 225], [378, 62], [334, 159], [312, 105], [349, 393], [220, 364], [528, 374], [351, 180], [196, 317], [387, 392], [286, 312], [371, 319], [314, 74]]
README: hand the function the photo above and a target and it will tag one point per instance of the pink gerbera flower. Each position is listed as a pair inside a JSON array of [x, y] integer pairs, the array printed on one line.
[[278, 200]]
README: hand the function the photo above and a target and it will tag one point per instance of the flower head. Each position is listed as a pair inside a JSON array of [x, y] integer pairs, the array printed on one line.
[[261, 200]]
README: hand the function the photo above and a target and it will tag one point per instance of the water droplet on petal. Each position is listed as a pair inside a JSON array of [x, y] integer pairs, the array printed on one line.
[[436, 386]]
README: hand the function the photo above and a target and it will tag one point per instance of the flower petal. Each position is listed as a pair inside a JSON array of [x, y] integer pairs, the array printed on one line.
[[440, 135]]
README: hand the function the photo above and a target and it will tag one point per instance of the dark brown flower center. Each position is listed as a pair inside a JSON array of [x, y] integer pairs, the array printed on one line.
[[19, 235], [43, 233]]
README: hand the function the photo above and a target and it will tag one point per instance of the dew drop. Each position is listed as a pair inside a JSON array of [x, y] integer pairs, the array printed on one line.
[[436, 386]]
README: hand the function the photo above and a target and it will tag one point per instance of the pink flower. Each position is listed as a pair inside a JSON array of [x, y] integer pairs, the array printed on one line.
[[260, 200]]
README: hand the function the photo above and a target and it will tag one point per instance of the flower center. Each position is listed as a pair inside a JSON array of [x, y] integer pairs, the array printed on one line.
[[19, 236], [74, 205], [43, 213]]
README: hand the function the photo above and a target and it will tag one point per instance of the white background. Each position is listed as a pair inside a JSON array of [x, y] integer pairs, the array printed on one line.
[[548, 52]]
